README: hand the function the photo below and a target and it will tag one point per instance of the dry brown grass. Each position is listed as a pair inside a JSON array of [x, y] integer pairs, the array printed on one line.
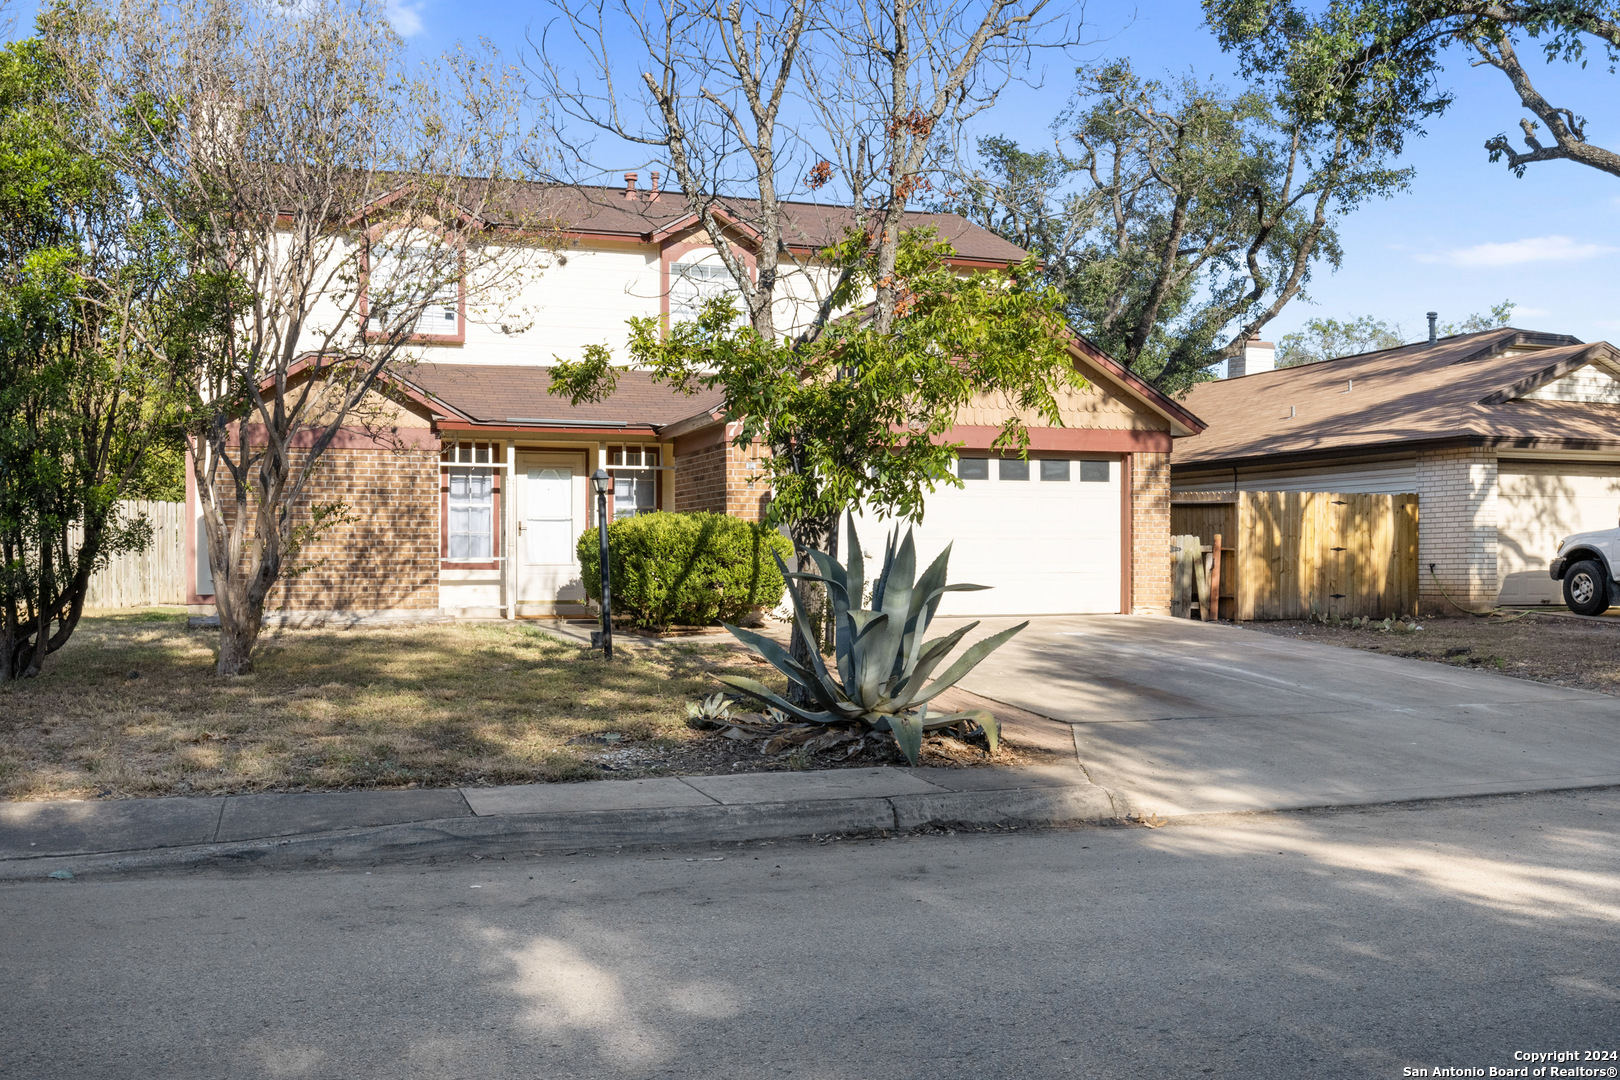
[[1550, 647], [132, 707]]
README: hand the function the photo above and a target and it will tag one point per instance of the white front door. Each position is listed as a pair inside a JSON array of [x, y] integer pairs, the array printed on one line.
[[551, 515]]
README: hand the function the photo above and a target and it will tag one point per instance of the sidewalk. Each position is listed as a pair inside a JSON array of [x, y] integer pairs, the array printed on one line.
[[37, 838]]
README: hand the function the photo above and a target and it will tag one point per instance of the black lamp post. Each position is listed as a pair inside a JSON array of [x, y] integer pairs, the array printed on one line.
[[603, 484]]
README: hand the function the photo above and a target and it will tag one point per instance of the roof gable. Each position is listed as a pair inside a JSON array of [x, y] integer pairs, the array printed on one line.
[[1571, 378], [1592, 383]]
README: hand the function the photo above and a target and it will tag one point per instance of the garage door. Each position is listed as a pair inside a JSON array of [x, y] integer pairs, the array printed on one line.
[[1043, 533], [1539, 504]]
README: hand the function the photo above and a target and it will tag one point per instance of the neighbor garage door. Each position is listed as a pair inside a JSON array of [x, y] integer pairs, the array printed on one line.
[[1539, 504], [1044, 534]]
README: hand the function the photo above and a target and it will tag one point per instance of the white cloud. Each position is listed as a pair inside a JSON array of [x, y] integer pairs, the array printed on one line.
[[407, 18], [1513, 252]]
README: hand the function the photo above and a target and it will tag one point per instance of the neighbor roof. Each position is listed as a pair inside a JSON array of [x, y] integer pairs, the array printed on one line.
[[1463, 389], [518, 395]]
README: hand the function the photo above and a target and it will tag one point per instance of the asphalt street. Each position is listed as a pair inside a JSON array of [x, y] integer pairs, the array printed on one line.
[[1351, 943]]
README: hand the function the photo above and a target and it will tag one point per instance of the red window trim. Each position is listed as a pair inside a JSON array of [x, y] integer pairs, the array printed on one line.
[[445, 562], [458, 338]]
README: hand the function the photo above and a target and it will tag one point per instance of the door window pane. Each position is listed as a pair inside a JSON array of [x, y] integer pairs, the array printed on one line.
[[1013, 469], [1054, 470], [973, 468], [1094, 472]]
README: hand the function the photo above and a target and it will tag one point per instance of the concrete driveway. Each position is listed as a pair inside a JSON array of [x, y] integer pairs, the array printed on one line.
[[1187, 718]]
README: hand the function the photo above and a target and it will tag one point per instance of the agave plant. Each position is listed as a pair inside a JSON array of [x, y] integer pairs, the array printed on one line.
[[883, 664], [710, 712]]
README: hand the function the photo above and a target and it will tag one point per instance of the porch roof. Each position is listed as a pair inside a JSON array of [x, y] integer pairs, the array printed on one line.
[[505, 396]]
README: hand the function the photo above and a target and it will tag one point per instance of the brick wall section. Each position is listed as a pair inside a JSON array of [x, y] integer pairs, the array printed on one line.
[[700, 480], [718, 479], [748, 493], [1457, 508], [1150, 534], [387, 557]]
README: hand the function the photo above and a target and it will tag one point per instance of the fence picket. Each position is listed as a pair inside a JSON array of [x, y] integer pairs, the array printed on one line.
[[153, 576]]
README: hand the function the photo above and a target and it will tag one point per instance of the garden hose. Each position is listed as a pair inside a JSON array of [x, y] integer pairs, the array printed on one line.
[[1494, 613]]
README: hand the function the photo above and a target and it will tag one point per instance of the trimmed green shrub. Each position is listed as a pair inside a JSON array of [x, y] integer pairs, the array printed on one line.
[[686, 569]]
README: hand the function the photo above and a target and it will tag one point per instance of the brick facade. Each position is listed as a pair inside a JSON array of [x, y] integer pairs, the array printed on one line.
[[721, 478], [386, 557], [1150, 534], [1457, 497]]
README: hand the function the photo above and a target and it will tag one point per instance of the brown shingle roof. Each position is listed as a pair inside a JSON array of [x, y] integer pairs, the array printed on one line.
[[500, 393], [606, 211], [1458, 389]]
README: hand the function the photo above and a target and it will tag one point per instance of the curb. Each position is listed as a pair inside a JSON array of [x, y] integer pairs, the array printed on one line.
[[1085, 804]]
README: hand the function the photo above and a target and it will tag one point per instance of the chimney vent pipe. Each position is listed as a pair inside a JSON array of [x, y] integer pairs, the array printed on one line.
[[629, 185], [652, 194], [1433, 315]]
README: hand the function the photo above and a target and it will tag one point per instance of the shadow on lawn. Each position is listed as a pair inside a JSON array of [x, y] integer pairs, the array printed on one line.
[[132, 706]]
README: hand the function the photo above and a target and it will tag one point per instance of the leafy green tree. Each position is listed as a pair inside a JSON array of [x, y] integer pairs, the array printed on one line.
[[1329, 339], [848, 408], [859, 417], [1374, 67], [1177, 219], [327, 192], [87, 410]]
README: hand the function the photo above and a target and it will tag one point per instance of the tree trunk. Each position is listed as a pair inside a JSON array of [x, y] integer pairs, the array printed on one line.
[[819, 534], [237, 636]]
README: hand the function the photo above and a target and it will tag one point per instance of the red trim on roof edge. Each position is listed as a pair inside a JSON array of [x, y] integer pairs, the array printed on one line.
[[1089, 349]]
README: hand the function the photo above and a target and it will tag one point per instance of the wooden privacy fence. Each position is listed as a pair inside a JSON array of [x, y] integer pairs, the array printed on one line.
[[1291, 554], [153, 576]]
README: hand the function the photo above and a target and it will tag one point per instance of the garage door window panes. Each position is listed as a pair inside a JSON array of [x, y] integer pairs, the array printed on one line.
[[1012, 469], [1054, 470], [973, 468], [1094, 472]]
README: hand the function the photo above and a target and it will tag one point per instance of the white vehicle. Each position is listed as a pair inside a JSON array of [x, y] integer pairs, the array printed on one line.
[[1585, 563]]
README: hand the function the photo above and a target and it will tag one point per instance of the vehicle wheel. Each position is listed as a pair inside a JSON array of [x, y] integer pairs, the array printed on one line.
[[1586, 590]]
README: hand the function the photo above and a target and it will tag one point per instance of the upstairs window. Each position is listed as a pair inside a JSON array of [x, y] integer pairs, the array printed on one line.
[[691, 285], [415, 290], [635, 480]]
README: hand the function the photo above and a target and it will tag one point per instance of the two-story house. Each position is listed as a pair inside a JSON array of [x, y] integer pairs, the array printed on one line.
[[473, 504]]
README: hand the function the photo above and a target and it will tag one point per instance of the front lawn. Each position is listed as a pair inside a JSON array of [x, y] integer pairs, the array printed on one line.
[[131, 706]]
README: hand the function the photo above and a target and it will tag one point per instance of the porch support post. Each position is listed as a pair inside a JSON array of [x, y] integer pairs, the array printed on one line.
[[509, 527]]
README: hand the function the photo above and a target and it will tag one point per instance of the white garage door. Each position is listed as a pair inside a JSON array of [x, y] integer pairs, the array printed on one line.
[[1539, 504], [1044, 533]]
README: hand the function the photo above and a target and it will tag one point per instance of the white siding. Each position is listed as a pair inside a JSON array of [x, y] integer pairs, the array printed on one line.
[[1589, 383], [1370, 478]]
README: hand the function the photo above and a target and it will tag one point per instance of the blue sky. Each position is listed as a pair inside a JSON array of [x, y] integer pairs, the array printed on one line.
[[1466, 235]]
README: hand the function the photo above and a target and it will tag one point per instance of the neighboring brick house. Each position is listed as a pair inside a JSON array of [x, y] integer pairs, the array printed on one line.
[[1509, 438], [473, 503]]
